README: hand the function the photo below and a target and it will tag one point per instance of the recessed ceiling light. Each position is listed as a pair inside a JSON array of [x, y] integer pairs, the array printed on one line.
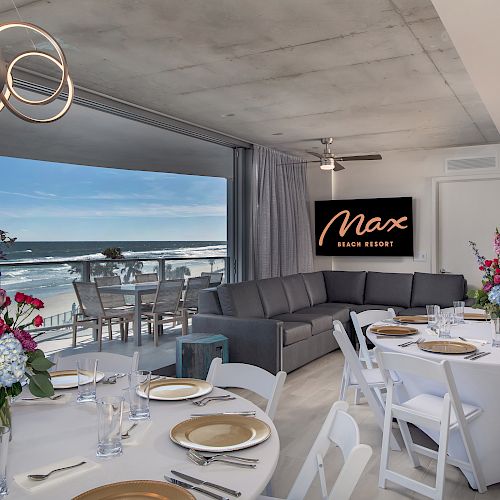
[[227, 115], [278, 133]]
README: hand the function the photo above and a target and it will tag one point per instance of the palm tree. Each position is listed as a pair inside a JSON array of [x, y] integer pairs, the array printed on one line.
[[131, 269]]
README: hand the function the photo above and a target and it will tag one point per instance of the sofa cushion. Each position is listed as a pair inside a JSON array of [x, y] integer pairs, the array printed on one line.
[[315, 287], [296, 292], [412, 311], [295, 332], [334, 311], [272, 295], [208, 301], [345, 286], [388, 288], [319, 322], [241, 300], [440, 289]]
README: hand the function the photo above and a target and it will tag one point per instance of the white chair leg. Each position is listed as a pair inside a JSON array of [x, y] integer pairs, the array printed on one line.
[[357, 396], [443, 449], [405, 433], [344, 384], [384, 454]]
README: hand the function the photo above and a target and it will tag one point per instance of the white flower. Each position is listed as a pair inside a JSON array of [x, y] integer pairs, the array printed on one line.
[[12, 360]]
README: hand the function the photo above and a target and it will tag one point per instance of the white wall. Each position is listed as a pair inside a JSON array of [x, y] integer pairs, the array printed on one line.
[[400, 173]]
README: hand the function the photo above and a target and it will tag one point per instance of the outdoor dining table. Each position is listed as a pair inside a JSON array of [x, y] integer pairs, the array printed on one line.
[[44, 434], [478, 383]]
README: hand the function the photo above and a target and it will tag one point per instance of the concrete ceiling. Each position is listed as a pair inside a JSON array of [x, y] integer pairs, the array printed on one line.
[[375, 74]]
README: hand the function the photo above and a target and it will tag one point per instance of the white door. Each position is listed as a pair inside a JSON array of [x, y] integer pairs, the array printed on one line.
[[467, 210]]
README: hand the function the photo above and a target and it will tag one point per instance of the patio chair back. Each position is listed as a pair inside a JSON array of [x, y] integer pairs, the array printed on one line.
[[148, 298], [194, 285], [110, 300], [215, 278], [168, 296], [89, 299]]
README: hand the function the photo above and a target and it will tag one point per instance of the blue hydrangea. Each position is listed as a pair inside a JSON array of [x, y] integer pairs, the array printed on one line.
[[12, 360], [494, 295]]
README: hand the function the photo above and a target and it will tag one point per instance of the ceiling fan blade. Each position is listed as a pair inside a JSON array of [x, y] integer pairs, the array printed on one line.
[[360, 158], [338, 167], [318, 155]]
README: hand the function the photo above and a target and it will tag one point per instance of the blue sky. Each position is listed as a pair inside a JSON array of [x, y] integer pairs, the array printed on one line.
[[43, 201]]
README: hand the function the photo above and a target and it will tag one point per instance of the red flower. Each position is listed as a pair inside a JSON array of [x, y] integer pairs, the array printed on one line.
[[37, 304], [28, 299], [19, 297], [7, 302], [481, 268], [495, 261], [488, 263], [497, 271], [3, 326], [38, 320], [496, 279]]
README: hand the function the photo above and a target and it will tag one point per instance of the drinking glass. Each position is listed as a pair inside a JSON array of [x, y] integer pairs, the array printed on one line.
[[87, 374], [458, 311], [138, 380], [444, 324], [109, 426], [432, 315], [4, 451], [495, 332]]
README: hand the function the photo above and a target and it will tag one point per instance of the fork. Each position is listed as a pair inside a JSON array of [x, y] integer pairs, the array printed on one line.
[[198, 459], [474, 354], [205, 401], [42, 477], [225, 455], [416, 341]]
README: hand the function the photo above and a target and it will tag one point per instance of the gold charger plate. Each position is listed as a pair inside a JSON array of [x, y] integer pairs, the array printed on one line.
[[137, 490], [447, 347], [395, 331], [220, 433], [416, 320], [475, 316], [68, 379], [175, 389]]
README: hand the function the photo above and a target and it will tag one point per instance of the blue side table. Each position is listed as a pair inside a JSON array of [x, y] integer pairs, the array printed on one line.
[[195, 352]]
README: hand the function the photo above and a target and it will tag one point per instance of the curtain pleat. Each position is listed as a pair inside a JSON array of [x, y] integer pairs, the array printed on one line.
[[282, 243]]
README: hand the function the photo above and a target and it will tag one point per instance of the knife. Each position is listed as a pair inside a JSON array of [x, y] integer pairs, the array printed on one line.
[[194, 480], [188, 486], [244, 413]]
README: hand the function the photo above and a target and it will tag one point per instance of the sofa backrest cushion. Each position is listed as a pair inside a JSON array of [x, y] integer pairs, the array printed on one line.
[[241, 300], [273, 297], [315, 286], [390, 289], [296, 292], [208, 301], [439, 289], [345, 286]]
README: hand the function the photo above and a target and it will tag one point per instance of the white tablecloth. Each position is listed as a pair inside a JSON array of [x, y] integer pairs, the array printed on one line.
[[44, 434], [478, 384]]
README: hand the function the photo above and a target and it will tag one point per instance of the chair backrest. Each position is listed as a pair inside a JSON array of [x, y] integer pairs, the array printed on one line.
[[89, 299], [215, 278], [194, 285], [107, 361], [147, 298], [249, 377], [168, 296], [365, 318], [110, 299], [342, 430]]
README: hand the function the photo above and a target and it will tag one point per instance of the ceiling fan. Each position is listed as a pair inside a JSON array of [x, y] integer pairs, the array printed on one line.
[[330, 161]]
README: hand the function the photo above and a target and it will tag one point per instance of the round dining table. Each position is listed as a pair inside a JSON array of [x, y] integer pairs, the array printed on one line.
[[478, 384], [47, 433]]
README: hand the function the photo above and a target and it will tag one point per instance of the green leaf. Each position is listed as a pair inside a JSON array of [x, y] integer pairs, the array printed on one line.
[[40, 385], [16, 389], [41, 364]]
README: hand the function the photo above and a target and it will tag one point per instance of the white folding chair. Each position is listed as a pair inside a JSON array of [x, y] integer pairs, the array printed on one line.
[[439, 414], [107, 361], [359, 321], [341, 430], [249, 377], [366, 379]]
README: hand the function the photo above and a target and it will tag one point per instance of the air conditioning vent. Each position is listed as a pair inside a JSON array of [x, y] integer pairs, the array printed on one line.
[[471, 165]]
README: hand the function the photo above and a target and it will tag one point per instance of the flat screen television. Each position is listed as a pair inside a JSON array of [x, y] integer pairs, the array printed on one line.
[[365, 227]]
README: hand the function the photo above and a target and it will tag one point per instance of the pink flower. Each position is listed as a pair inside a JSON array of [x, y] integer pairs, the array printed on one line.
[[487, 287], [3, 326], [496, 243], [7, 302], [38, 320], [496, 279], [488, 263], [25, 339]]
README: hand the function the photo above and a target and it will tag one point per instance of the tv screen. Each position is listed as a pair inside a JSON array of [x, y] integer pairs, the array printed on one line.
[[365, 227]]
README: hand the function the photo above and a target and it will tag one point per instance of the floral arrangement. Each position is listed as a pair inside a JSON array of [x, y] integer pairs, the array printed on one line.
[[488, 297], [20, 358]]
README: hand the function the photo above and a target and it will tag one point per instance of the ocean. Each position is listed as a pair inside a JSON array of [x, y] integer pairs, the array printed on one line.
[[51, 279]]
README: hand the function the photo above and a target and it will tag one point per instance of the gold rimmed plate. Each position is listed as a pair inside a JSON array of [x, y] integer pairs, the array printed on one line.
[[68, 379], [475, 316], [393, 331], [137, 490], [447, 347], [415, 320], [220, 433], [176, 389]]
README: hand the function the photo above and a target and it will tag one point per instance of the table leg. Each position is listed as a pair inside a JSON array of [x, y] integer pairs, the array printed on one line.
[[184, 314], [137, 319]]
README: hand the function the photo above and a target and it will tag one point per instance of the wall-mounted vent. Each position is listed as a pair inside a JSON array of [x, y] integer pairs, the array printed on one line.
[[477, 164]]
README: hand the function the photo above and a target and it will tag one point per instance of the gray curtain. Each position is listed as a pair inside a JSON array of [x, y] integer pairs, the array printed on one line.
[[281, 233]]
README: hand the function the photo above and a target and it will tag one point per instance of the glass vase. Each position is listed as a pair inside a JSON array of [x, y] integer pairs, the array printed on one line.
[[6, 416]]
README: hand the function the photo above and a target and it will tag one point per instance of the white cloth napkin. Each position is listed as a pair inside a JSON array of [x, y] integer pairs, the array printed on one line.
[[137, 433], [33, 486], [28, 400]]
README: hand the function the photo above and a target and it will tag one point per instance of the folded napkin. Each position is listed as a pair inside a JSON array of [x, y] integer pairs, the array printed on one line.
[[58, 477], [29, 400], [137, 433]]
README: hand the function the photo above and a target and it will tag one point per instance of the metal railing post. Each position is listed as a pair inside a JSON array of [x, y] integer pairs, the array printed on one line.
[[86, 271], [161, 269]]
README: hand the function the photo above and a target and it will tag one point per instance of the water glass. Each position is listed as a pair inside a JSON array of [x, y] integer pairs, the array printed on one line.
[[432, 315], [458, 311], [109, 426], [139, 380], [4, 451], [495, 332], [444, 323], [87, 375]]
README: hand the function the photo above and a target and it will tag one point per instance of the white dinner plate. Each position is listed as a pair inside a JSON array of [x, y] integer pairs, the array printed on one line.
[[68, 379]]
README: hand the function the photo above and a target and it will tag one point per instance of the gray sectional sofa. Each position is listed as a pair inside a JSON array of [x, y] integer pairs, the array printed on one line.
[[284, 323]]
